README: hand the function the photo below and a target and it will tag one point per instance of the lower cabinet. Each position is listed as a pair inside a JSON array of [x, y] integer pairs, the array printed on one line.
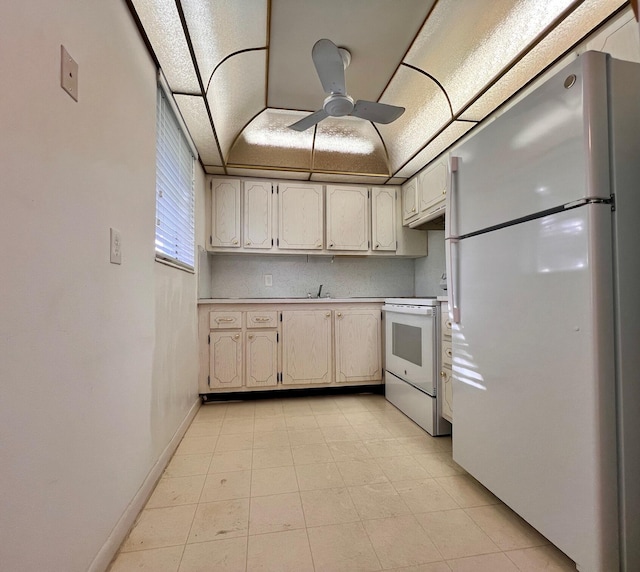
[[248, 347], [358, 345], [225, 359], [446, 381], [306, 346], [261, 359]]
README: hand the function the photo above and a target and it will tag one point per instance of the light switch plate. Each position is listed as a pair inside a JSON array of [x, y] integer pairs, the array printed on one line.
[[116, 247], [68, 73], [268, 280]]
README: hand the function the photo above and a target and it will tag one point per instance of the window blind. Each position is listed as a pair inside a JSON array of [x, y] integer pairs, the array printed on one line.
[[175, 219]]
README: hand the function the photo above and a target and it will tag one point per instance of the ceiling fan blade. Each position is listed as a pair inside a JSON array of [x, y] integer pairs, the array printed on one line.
[[309, 120], [330, 66], [376, 112]]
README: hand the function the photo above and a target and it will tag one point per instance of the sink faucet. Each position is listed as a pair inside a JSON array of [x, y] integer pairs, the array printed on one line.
[[320, 291]]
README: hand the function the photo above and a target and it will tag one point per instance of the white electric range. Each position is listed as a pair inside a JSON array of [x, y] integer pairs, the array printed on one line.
[[412, 350]]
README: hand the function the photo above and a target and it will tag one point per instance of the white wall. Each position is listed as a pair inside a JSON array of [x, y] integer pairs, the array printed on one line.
[[429, 270], [98, 362]]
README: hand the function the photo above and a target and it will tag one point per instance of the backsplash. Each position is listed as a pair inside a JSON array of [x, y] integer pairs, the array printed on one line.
[[242, 276]]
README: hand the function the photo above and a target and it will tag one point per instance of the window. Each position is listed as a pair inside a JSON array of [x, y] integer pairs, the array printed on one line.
[[174, 189]]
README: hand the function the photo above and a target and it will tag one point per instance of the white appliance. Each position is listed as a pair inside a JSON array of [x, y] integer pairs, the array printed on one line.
[[543, 252], [411, 361]]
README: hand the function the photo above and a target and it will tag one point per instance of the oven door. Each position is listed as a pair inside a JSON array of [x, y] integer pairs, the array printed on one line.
[[411, 346]]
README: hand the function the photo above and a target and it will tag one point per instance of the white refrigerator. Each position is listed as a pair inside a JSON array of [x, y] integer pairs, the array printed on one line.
[[543, 256]]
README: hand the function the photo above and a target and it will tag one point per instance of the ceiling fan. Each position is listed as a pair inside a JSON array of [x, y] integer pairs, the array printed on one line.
[[330, 62]]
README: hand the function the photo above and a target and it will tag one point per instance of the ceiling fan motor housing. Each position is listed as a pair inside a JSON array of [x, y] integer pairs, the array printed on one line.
[[337, 105]]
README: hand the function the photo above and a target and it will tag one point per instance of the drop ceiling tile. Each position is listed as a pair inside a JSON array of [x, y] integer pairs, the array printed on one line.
[[570, 31], [268, 142], [466, 48], [236, 94], [163, 27], [195, 116], [219, 28], [349, 144], [449, 136], [427, 111]]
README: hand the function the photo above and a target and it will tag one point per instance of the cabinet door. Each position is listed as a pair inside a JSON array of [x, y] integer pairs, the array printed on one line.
[[225, 212], [383, 218], [447, 393], [301, 216], [258, 217], [262, 358], [409, 200], [225, 359], [306, 346], [347, 218], [432, 187], [358, 345]]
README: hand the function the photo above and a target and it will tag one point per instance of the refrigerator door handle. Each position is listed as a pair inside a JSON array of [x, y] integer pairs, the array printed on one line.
[[451, 235], [453, 278], [451, 218]]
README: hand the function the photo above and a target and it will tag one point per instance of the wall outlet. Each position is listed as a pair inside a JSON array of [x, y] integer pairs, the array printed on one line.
[[68, 73], [268, 280], [116, 247]]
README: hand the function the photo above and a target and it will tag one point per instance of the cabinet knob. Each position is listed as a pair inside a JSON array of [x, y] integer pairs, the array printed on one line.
[[235, 241], [319, 245], [248, 243], [377, 245], [328, 314], [236, 336], [331, 245], [413, 209], [444, 191], [250, 336], [442, 374], [339, 314]]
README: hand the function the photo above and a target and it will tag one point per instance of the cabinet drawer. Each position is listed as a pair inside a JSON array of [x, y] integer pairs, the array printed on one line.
[[262, 319], [446, 391], [446, 325], [446, 353], [225, 320]]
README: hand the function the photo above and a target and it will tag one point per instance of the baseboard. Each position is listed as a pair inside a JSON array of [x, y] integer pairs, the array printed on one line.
[[121, 529], [298, 392]]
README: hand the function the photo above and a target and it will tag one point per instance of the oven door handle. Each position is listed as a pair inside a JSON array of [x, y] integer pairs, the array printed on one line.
[[422, 311]]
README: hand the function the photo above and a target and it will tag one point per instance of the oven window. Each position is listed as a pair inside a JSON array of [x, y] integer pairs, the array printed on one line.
[[407, 343]]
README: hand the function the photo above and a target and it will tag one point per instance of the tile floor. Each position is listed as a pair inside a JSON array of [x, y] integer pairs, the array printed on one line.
[[326, 484]]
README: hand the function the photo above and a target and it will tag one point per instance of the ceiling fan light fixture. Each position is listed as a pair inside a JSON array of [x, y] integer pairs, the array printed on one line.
[[338, 105]]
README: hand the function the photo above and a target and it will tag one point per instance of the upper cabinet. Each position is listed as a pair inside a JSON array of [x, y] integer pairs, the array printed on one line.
[[225, 213], [409, 200], [285, 217], [383, 219], [301, 217], [432, 187], [258, 215], [424, 196], [347, 218]]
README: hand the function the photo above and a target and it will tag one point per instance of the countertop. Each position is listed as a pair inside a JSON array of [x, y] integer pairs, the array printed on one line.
[[289, 300]]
